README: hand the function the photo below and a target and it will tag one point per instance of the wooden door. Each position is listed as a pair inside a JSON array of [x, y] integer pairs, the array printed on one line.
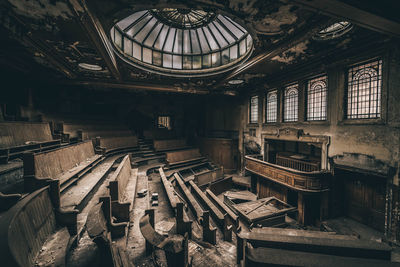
[[365, 199]]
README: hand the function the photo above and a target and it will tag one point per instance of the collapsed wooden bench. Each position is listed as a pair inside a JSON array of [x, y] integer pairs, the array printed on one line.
[[101, 229], [66, 164], [36, 232], [19, 137]]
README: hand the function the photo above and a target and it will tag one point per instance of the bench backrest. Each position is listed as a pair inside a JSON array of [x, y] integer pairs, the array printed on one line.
[[169, 144], [72, 128], [183, 155], [50, 164], [118, 142], [159, 134], [120, 179], [25, 227], [208, 177], [17, 133]]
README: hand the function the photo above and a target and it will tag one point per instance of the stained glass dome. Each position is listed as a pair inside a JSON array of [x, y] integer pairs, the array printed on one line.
[[181, 42]]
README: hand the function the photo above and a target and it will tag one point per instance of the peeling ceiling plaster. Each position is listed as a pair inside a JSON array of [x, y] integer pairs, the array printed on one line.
[[273, 22], [293, 53], [40, 9]]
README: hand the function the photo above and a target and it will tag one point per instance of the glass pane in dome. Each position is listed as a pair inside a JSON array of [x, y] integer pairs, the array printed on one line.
[[236, 24], [221, 41], [118, 39], [167, 61], [210, 39], [157, 58], [203, 42], [138, 26], [127, 46], [170, 40], [224, 32], [178, 42], [136, 51], [231, 27], [153, 35], [225, 56], [123, 24], [249, 42], [216, 59], [177, 62], [233, 52], [242, 47], [161, 38], [145, 31], [147, 55], [186, 42], [187, 62], [196, 62], [195, 42], [207, 61]]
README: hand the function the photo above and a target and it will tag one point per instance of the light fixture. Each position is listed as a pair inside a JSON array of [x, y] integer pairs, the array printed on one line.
[[236, 82], [91, 67], [334, 31]]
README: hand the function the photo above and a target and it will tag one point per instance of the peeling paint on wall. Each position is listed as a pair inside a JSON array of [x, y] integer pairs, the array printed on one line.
[[40, 9], [292, 54], [273, 22]]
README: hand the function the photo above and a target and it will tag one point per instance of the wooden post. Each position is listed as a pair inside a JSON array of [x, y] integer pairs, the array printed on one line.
[[209, 234]]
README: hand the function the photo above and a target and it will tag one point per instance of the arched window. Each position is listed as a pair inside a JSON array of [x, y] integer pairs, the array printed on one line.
[[317, 99], [364, 91], [271, 107], [254, 109], [291, 103]]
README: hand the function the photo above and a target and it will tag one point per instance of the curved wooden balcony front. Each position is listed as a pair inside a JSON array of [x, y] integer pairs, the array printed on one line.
[[312, 182]]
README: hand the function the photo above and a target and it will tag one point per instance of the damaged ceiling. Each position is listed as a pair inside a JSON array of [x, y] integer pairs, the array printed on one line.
[[50, 39]]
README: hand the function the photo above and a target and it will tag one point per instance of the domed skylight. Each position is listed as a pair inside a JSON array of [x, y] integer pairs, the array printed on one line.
[[181, 42]]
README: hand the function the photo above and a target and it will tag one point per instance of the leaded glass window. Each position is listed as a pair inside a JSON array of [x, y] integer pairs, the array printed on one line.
[[317, 90], [291, 103], [254, 109], [364, 91], [271, 107]]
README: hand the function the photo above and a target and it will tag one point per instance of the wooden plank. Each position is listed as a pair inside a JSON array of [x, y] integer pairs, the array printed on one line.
[[197, 210], [221, 205], [173, 199]]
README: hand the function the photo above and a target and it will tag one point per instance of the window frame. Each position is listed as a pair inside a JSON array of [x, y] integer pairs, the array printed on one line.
[[380, 85], [306, 99], [276, 91], [285, 88], [169, 120], [257, 108]]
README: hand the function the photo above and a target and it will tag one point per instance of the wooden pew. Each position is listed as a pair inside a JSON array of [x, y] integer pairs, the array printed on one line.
[[209, 232], [33, 232], [328, 246], [121, 201], [111, 145], [182, 157], [221, 205], [159, 134], [169, 144], [66, 164], [209, 176], [183, 224], [220, 218], [19, 137]]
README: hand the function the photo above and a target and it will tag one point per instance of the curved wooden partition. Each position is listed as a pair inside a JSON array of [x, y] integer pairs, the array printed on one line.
[[316, 181], [25, 227]]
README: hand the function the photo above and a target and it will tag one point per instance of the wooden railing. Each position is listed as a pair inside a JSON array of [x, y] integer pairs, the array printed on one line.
[[314, 181], [297, 164]]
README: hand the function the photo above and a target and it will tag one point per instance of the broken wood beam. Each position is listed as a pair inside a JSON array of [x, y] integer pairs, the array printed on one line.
[[219, 203]]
